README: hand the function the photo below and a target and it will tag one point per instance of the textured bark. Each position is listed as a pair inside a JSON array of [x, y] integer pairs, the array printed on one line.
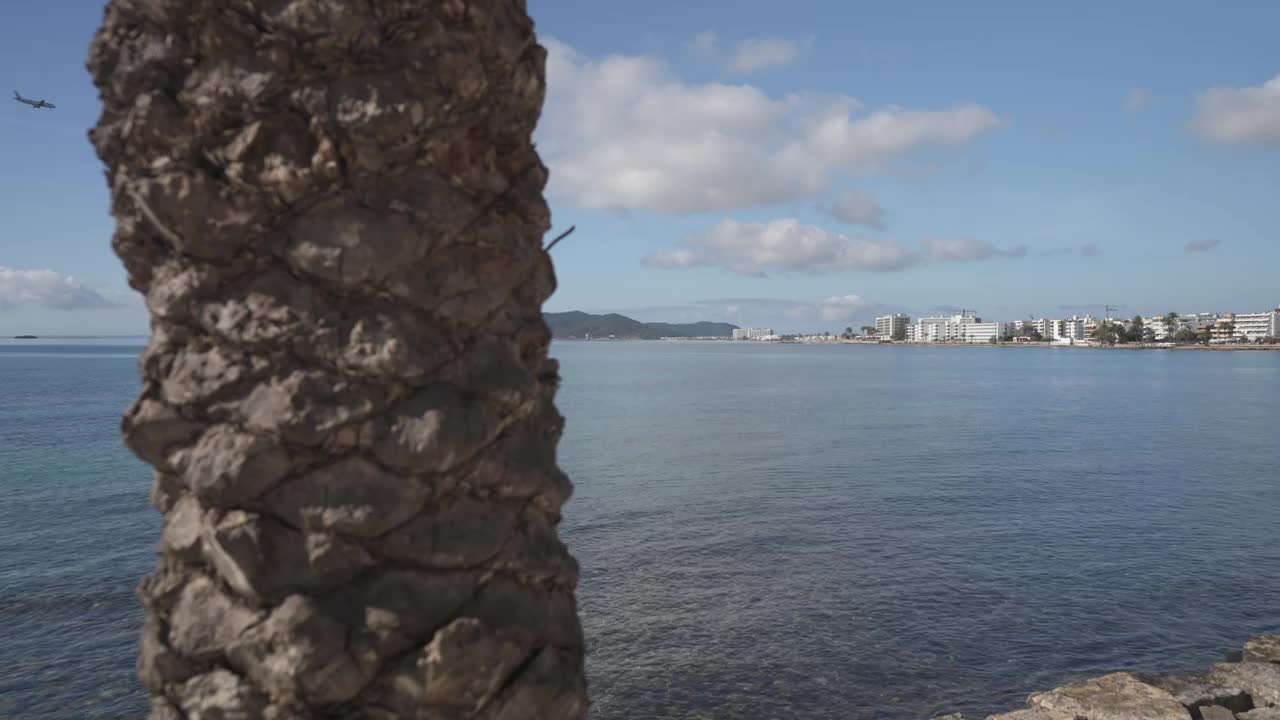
[[335, 212]]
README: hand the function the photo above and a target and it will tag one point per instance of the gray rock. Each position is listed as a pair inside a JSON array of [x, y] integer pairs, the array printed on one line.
[[1032, 714], [1261, 680], [1196, 691], [1263, 648], [1118, 696], [1263, 713], [1216, 712]]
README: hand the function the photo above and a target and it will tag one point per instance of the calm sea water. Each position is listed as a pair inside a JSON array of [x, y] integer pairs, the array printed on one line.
[[766, 531]]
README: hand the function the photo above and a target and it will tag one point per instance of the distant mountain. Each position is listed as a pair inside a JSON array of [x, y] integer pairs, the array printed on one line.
[[580, 325]]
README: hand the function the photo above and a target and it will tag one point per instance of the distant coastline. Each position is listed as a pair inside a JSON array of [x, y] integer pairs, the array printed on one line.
[[903, 343]]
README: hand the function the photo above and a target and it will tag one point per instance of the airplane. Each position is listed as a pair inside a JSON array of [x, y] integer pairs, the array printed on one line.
[[37, 104]]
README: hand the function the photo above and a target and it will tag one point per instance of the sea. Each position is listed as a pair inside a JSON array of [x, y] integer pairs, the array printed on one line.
[[765, 530]]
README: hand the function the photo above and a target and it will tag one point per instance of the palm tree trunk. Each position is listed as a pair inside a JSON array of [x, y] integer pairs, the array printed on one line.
[[335, 212]]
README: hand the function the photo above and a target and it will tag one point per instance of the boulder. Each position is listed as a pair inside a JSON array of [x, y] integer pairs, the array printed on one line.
[[1032, 714], [1216, 712], [1195, 692], [1266, 713], [1263, 648], [1118, 696], [1261, 680]]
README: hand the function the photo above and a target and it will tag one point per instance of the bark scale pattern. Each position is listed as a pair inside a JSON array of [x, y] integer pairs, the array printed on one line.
[[335, 212]]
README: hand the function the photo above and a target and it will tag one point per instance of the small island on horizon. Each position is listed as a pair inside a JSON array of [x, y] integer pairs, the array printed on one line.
[[26, 337]]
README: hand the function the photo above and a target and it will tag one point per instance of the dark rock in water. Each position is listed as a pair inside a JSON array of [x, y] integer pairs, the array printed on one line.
[[25, 337], [1260, 679], [1195, 692], [1263, 648], [1216, 712], [1118, 696]]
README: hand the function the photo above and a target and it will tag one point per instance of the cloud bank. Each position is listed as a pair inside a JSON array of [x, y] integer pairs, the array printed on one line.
[[1240, 116], [787, 245], [50, 290], [857, 207], [624, 132]]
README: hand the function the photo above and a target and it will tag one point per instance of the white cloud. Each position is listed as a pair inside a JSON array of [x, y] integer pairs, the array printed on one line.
[[758, 53], [967, 250], [784, 245], [623, 132], [1240, 116], [1202, 245], [1138, 100], [787, 245], [857, 207], [750, 54], [50, 290]]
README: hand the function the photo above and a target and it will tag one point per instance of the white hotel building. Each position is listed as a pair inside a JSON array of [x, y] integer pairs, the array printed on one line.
[[887, 326], [752, 333], [966, 328], [1255, 326]]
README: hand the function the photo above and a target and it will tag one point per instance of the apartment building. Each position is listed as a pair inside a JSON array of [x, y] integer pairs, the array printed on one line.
[[889, 326], [752, 333], [1256, 326], [1224, 331], [941, 329], [980, 332]]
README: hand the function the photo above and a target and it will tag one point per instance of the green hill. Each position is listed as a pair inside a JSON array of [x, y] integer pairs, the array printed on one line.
[[580, 325]]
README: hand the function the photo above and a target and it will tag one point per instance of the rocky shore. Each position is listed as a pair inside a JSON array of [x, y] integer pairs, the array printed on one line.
[[1244, 690]]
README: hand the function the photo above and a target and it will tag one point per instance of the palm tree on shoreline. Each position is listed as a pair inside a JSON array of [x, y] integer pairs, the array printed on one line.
[[336, 217]]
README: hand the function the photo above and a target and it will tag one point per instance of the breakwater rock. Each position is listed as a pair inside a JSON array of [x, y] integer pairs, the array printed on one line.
[[1244, 690]]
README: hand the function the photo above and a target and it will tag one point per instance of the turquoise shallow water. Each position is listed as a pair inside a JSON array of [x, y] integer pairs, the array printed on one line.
[[765, 531]]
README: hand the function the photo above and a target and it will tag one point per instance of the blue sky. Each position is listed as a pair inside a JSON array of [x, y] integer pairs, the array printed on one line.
[[802, 165]]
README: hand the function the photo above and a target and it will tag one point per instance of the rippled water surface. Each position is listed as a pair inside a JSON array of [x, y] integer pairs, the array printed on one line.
[[766, 531]]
